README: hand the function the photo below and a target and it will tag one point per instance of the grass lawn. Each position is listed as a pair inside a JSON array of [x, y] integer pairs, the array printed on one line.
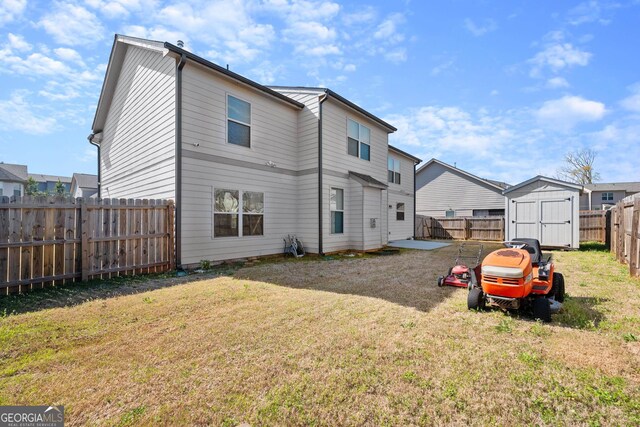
[[348, 341]]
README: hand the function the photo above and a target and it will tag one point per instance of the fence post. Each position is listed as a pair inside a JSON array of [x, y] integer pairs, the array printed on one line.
[[633, 250], [467, 229], [170, 230], [607, 230], [84, 245]]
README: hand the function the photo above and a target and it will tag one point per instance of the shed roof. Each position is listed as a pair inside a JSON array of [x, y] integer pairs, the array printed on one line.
[[11, 172], [495, 184], [367, 180], [546, 179]]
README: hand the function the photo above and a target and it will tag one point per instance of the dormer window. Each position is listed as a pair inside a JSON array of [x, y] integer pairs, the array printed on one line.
[[358, 140]]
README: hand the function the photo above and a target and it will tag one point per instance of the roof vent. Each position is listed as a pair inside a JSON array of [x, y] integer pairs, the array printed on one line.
[[180, 44]]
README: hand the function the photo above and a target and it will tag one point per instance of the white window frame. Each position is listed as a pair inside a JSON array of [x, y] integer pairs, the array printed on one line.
[[450, 213], [336, 210], [240, 214], [403, 210], [397, 176], [359, 140], [238, 121], [605, 196]]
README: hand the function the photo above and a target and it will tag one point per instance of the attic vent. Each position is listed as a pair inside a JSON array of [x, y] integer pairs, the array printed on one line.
[[180, 44]]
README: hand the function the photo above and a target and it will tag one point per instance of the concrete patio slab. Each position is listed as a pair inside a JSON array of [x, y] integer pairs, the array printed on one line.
[[425, 245]]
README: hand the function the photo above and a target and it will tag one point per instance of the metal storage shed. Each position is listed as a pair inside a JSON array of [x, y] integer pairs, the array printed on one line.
[[546, 209]]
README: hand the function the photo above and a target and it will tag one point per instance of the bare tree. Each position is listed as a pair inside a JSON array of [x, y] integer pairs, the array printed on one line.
[[578, 167]]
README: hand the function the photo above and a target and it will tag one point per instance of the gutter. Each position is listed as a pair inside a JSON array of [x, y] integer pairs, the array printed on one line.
[[178, 218], [320, 207], [414, 201], [97, 145]]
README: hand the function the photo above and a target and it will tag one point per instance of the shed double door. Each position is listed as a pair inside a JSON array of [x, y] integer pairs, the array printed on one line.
[[548, 220]]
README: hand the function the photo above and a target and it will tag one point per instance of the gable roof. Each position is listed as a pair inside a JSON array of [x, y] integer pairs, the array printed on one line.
[[85, 180], [546, 179], [116, 59], [343, 100], [629, 187], [404, 153], [495, 184], [39, 177], [10, 172]]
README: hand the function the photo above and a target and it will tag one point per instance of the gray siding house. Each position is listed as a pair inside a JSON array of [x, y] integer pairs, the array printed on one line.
[[246, 164], [444, 190], [12, 179], [604, 195]]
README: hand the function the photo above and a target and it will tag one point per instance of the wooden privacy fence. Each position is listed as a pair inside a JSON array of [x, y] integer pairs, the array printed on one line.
[[594, 226], [625, 234], [53, 240], [461, 228]]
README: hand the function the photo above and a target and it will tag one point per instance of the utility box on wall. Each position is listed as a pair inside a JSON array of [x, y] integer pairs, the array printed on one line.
[[372, 222]]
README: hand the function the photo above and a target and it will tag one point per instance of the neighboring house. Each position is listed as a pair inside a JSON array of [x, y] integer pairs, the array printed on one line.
[[47, 183], [604, 195], [84, 185], [246, 164], [546, 209], [12, 179], [443, 190]]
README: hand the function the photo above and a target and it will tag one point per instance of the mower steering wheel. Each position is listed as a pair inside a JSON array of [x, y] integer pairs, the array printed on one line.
[[515, 245]]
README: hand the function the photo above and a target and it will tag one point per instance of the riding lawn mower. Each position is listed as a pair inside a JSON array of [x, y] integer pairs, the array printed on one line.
[[518, 277]]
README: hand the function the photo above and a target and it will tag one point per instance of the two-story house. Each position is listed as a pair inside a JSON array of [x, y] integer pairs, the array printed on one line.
[[13, 178], [246, 164], [604, 195]]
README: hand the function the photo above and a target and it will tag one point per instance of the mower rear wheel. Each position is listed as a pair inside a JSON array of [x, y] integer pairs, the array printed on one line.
[[557, 290], [542, 309], [475, 299], [440, 281]]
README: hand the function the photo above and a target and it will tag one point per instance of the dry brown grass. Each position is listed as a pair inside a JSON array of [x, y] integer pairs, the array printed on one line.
[[349, 341]]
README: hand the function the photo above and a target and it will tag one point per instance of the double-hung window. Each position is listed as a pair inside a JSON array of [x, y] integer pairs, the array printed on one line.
[[231, 221], [358, 140], [607, 197], [337, 210], [399, 211], [393, 168], [238, 121]]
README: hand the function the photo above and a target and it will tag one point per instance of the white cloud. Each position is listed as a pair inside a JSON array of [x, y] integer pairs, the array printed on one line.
[[478, 30], [591, 11], [396, 55], [35, 64], [312, 38], [440, 68], [632, 102], [557, 83], [118, 8], [11, 9], [73, 25], [16, 114], [557, 57], [388, 29], [17, 42], [89, 154], [565, 113], [350, 68], [69, 55]]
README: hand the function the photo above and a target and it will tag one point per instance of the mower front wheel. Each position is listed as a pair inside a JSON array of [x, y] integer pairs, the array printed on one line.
[[542, 309], [475, 299], [557, 289], [440, 281]]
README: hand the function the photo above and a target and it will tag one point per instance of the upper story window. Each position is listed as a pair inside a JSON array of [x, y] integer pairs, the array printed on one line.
[[393, 166], [238, 121], [358, 140], [607, 197]]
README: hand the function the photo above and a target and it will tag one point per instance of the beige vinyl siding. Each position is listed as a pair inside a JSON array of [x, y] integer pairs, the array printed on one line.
[[274, 138], [273, 123], [354, 206], [402, 193], [137, 148], [339, 242], [440, 189], [372, 207], [201, 177]]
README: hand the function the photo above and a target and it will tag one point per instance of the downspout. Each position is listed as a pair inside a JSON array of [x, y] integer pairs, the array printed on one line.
[[178, 218], [320, 207], [414, 200], [95, 144]]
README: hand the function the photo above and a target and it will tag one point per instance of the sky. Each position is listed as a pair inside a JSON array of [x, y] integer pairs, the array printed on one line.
[[501, 89]]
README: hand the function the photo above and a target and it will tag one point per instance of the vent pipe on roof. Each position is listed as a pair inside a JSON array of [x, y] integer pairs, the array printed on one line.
[[180, 44]]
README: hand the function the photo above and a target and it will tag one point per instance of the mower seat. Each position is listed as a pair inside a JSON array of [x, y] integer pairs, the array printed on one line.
[[533, 247]]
